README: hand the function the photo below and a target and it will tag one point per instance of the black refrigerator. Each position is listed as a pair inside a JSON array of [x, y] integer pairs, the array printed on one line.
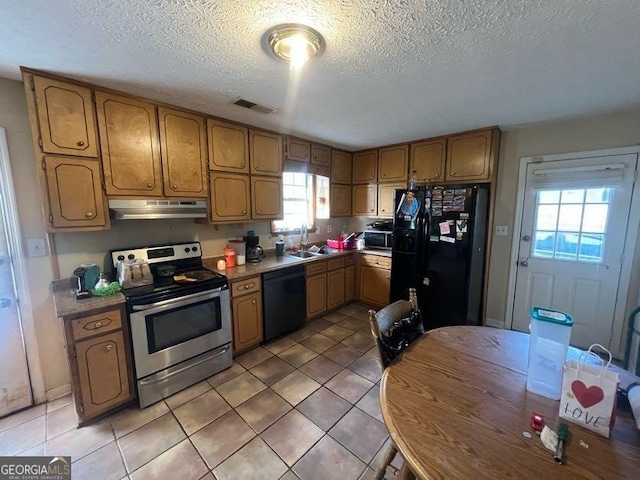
[[439, 243]]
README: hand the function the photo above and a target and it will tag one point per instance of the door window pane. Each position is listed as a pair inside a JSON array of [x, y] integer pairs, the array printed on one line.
[[571, 224]]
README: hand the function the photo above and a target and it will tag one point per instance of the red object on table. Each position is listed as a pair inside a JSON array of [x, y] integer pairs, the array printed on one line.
[[537, 422]]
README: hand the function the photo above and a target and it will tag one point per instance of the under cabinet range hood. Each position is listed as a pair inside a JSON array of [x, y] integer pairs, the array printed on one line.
[[157, 209]]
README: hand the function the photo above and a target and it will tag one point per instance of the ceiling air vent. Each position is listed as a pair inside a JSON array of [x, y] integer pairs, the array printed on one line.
[[241, 102]]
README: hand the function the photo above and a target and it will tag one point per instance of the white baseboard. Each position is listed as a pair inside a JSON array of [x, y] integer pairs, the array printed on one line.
[[492, 322], [58, 392]]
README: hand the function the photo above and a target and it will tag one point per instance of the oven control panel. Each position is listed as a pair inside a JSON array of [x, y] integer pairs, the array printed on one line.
[[164, 253]]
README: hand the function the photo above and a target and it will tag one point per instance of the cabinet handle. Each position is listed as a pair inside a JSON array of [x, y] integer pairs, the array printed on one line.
[[383, 210], [80, 143], [98, 325], [371, 210], [322, 280], [242, 165], [174, 187], [371, 177], [387, 277], [453, 173], [109, 347], [382, 175], [253, 302], [259, 211], [149, 185], [89, 215], [437, 175], [244, 212], [257, 166]]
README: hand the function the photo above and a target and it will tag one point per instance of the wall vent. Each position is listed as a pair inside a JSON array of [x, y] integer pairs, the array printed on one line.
[[241, 102]]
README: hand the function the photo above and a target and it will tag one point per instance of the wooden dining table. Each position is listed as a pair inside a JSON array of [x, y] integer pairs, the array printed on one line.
[[456, 406]]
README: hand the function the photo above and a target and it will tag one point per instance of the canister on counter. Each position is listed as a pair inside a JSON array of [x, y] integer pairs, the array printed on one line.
[[239, 247], [229, 257]]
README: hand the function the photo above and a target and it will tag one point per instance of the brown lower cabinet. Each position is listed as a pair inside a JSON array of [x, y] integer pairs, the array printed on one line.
[[375, 279], [316, 295], [246, 305], [99, 361]]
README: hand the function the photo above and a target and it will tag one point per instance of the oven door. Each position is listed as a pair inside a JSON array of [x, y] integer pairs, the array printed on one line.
[[171, 331]]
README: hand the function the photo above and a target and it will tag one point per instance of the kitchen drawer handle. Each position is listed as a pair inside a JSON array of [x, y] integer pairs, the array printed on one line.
[[109, 347], [98, 325], [89, 215], [80, 143]]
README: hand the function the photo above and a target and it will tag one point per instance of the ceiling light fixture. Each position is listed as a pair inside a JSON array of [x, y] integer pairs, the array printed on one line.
[[295, 43]]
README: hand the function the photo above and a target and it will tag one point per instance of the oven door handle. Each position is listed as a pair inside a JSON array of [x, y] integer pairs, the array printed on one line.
[[138, 308]]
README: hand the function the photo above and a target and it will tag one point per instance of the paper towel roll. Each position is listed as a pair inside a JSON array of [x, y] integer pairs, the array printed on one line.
[[633, 394]]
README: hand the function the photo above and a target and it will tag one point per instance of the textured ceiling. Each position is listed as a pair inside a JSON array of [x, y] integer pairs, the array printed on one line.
[[392, 70]]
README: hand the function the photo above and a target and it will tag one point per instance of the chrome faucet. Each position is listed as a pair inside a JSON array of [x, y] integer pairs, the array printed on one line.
[[304, 237]]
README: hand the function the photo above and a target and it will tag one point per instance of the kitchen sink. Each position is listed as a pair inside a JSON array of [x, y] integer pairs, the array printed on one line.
[[304, 254]]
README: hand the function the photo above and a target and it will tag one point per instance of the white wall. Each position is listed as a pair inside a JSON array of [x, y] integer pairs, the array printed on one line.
[[591, 133]]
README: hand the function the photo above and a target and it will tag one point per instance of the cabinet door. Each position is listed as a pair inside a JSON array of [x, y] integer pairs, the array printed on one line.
[[266, 198], [320, 155], [265, 151], [66, 118], [340, 201], [228, 147], [247, 321], [365, 167], [229, 197], [75, 192], [375, 285], [340, 167], [393, 163], [364, 200], [184, 153], [298, 150], [335, 288], [349, 283], [386, 198], [469, 156], [316, 295], [102, 372], [427, 160], [129, 145]]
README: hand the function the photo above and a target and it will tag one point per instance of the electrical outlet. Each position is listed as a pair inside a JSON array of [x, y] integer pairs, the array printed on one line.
[[328, 228], [502, 230], [35, 247]]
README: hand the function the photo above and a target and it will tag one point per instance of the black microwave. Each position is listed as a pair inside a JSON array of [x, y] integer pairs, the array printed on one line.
[[382, 239]]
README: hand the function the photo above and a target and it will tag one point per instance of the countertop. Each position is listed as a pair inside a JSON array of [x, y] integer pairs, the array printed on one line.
[[271, 263], [64, 299], [66, 304]]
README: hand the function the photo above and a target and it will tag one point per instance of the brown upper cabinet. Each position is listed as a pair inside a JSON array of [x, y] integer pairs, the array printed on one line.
[[65, 117], [386, 198], [228, 147], [340, 200], [470, 155], [75, 193], [340, 167], [230, 195], [427, 160], [266, 198], [393, 163], [365, 167], [364, 200], [320, 154], [265, 151], [129, 145], [298, 149], [184, 153]]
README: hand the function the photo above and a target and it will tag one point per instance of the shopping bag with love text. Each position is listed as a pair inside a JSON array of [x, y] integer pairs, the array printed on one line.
[[589, 392]]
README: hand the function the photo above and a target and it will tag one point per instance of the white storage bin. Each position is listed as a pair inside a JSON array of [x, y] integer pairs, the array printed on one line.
[[548, 345]]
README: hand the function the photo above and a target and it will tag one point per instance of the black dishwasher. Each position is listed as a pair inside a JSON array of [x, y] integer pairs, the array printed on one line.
[[284, 302]]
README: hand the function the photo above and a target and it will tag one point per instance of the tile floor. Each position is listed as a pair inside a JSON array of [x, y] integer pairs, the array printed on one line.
[[303, 406]]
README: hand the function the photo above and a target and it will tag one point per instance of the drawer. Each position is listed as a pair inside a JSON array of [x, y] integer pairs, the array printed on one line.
[[315, 268], [335, 263], [349, 260], [376, 261], [242, 287], [96, 324]]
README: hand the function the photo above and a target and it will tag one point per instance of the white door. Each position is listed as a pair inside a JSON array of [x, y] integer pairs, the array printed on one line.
[[574, 223], [15, 387]]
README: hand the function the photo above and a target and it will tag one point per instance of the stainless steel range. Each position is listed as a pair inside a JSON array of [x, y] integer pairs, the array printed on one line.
[[180, 328]]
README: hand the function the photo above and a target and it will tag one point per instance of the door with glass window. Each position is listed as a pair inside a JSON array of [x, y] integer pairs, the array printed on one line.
[[574, 224]]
